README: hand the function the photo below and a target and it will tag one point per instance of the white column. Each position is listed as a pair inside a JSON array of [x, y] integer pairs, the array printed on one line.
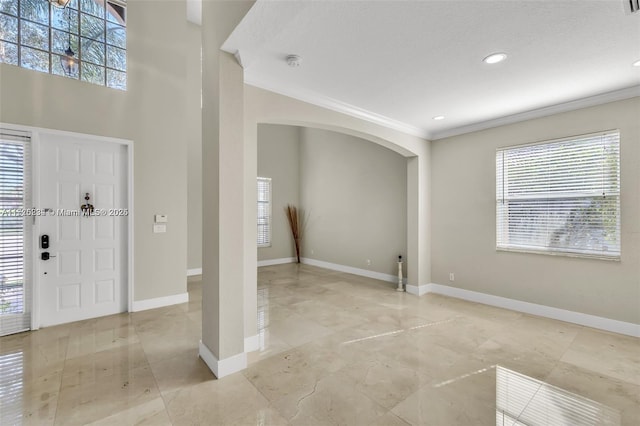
[[222, 345], [418, 223]]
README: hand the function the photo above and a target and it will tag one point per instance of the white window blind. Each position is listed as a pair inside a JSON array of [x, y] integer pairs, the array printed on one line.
[[560, 196], [15, 232], [264, 212]]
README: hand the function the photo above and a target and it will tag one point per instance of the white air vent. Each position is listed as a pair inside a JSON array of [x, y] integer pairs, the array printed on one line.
[[632, 6]]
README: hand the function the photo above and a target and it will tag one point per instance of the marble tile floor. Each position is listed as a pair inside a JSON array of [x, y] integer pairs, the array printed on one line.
[[335, 349]]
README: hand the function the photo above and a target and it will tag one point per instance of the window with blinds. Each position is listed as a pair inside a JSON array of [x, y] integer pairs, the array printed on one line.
[[561, 196], [264, 212], [15, 232]]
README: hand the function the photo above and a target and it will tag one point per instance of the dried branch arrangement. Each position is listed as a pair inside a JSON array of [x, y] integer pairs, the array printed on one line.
[[295, 223]]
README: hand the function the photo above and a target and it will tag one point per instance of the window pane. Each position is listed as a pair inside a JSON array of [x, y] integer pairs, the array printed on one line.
[[91, 27], [264, 209], [35, 10], [116, 35], [117, 79], [92, 73], [60, 19], [116, 13], [9, 6], [93, 7], [8, 28], [116, 58], [60, 42], [34, 35], [56, 67], [93, 51], [34, 59], [560, 196], [8, 53]]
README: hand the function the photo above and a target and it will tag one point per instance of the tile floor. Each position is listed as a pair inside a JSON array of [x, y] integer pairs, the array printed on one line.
[[335, 349]]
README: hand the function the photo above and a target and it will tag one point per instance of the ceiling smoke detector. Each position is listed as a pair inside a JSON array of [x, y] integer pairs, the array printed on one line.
[[294, 61]]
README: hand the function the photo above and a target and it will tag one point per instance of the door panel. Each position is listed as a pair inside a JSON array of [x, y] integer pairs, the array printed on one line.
[[85, 276]]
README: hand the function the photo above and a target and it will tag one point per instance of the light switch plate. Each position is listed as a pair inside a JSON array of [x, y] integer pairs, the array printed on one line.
[[158, 229], [161, 218]]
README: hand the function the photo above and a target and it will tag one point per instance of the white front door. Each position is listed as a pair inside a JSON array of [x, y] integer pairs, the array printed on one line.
[[85, 275]]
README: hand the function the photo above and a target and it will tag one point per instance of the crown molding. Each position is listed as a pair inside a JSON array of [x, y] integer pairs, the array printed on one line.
[[603, 98], [354, 111], [339, 106]]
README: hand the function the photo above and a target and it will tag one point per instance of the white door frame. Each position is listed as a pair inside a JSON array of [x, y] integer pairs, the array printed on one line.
[[35, 133]]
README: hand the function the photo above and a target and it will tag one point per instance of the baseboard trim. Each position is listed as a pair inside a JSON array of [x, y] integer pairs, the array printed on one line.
[[192, 272], [417, 290], [251, 343], [159, 302], [351, 270], [280, 261], [580, 318], [223, 367]]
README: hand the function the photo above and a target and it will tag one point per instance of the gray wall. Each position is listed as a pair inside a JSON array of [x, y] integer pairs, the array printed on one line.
[[152, 113], [464, 223], [279, 159], [355, 195]]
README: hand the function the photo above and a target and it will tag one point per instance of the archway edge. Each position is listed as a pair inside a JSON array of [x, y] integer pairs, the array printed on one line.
[[398, 149], [265, 107]]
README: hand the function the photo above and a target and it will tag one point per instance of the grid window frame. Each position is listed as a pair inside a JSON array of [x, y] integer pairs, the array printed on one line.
[[12, 43]]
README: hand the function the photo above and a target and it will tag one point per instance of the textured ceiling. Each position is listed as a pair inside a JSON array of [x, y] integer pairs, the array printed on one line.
[[412, 60]]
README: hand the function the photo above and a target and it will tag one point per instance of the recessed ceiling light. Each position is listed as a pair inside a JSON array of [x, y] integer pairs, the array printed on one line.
[[439, 117], [637, 63], [494, 58]]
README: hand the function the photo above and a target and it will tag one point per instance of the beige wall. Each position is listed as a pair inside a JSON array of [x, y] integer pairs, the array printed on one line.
[[354, 193], [279, 159], [152, 113], [194, 149], [463, 220]]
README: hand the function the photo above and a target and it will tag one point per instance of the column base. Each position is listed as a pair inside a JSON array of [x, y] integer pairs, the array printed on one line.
[[222, 367]]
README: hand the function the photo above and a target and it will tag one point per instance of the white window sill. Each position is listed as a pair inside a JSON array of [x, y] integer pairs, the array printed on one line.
[[614, 258]]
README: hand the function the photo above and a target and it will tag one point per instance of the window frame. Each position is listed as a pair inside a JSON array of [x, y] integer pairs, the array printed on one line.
[[269, 217], [53, 55], [549, 250]]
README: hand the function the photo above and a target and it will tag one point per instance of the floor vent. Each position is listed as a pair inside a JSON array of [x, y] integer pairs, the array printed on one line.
[[633, 6]]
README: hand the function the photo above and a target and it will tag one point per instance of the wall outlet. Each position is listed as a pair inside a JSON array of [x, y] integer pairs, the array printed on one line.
[[368, 262], [452, 277], [312, 252]]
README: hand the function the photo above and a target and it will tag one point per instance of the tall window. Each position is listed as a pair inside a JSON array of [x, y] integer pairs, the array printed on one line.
[[36, 35], [264, 212], [15, 232], [561, 196]]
